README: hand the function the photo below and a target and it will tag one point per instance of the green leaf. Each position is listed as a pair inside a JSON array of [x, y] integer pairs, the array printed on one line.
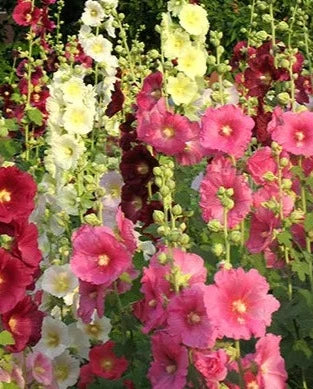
[[308, 222], [9, 148], [301, 268], [35, 116], [285, 238], [11, 124], [6, 338], [9, 385]]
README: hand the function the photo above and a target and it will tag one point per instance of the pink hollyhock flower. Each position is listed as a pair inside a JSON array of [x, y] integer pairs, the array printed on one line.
[[125, 281], [13, 281], [263, 223], [220, 174], [25, 15], [226, 129], [104, 363], [193, 151], [295, 134], [212, 365], [188, 319], [126, 231], [271, 366], [91, 297], [24, 322], [169, 367], [272, 260], [40, 368], [17, 192], [167, 132], [307, 165], [271, 192], [239, 303], [156, 289], [151, 91], [86, 376], [260, 163], [97, 256]]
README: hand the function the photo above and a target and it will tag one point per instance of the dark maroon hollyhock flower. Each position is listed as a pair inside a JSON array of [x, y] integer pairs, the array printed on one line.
[[127, 125], [240, 53], [261, 121], [146, 215], [303, 89], [117, 100], [38, 98], [6, 91], [127, 140], [47, 25], [51, 64], [24, 322], [133, 201], [137, 166], [12, 110], [24, 14], [25, 242], [151, 91]]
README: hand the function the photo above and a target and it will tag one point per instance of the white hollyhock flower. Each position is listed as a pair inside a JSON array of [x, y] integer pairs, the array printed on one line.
[[97, 329], [93, 14], [59, 280], [193, 18], [78, 119], [182, 89], [192, 62], [112, 182], [66, 151], [54, 337], [66, 370], [79, 341], [73, 90], [98, 48]]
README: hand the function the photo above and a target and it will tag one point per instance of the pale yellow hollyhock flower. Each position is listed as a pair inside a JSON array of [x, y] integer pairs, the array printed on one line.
[[182, 89], [192, 62], [175, 43], [78, 119], [193, 19]]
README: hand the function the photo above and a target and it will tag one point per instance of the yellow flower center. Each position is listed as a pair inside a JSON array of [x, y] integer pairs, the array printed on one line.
[[152, 303], [94, 13], [12, 324], [39, 369], [226, 130], [142, 168], [194, 318], [77, 117], [106, 364], [253, 385], [299, 137], [93, 330], [168, 132], [103, 260], [62, 373], [68, 151], [53, 339], [1, 279], [171, 369], [5, 196], [240, 308], [62, 282], [137, 203], [97, 48], [28, 18]]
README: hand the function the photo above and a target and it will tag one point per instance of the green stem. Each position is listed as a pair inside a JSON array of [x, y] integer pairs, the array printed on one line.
[[273, 33], [251, 21], [227, 244], [305, 385], [241, 371]]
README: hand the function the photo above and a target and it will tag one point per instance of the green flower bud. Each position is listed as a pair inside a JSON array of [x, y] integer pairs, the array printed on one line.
[[221, 190], [158, 181], [164, 190], [282, 26], [283, 98], [286, 183], [211, 60], [92, 219], [214, 226], [267, 18], [269, 176], [184, 239], [235, 236], [262, 35], [230, 192], [177, 210], [284, 162], [218, 249], [162, 258], [158, 216]]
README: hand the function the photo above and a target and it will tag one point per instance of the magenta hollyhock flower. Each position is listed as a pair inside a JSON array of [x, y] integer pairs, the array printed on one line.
[[156, 289], [126, 231], [188, 319], [271, 192], [193, 151], [260, 163], [271, 366], [295, 134], [212, 365], [166, 131], [40, 368], [170, 363], [17, 192], [86, 376], [263, 223], [24, 14], [226, 129], [220, 174], [91, 297], [97, 256], [239, 303], [104, 363], [151, 91]]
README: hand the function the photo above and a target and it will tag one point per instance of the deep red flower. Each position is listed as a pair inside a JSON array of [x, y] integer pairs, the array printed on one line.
[[24, 322], [17, 192], [117, 100], [151, 91], [24, 14], [6, 91], [13, 281], [104, 363], [86, 376], [133, 202]]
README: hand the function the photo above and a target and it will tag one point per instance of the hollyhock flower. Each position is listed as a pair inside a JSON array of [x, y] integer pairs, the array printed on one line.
[[126, 231], [170, 363], [226, 129], [192, 61], [98, 329], [97, 256], [24, 14], [104, 363], [220, 174], [271, 366], [86, 376], [40, 368], [156, 289], [295, 133], [239, 303], [78, 119], [24, 322], [13, 281], [79, 342], [91, 298], [193, 151], [167, 132], [187, 317], [263, 223], [193, 18], [212, 365], [260, 163], [98, 48], [17, 192], [25, 242], [272, 260], [66, 370], [182, 89], [271, 193], [117, 100], [137, 166], [133, 202], [59, 280], [54, 337], [93, 14], [112, 182], [151, 91]]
